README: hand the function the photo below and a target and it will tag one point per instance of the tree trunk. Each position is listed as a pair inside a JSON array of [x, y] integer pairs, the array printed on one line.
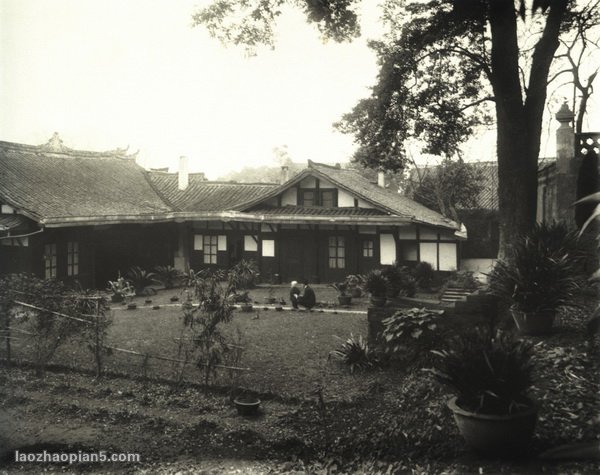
[[519, 121]]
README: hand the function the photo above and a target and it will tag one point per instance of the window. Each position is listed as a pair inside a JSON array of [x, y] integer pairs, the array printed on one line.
[[251, 243], [50, 261], [72, 258], [210, 249], [337, 252], [368, 248], [308, 198], [268, 248], [328, 198]]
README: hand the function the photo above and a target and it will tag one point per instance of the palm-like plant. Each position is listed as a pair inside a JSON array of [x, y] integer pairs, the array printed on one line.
[[355, 353], [140, 279], [167, 275], [543, 273], [375, 283], [489, 373]]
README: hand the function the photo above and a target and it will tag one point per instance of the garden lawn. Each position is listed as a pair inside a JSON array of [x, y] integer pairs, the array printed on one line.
[[287, 352]]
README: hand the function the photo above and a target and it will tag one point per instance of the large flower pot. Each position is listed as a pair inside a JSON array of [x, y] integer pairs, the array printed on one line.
[[537, 323], [495, 434], [345, 299], [377, 301], [247, 406]]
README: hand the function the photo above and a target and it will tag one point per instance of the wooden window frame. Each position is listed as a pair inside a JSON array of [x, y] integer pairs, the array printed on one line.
[[368, 248], [73, 258], [210, 243], [335, 258], [50, 260]]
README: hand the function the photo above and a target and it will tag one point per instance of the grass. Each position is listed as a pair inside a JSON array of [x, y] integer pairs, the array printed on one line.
[[287, 352]]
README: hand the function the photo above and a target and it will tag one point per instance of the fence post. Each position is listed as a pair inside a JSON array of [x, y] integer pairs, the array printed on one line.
[[7, 328], [97, 348]]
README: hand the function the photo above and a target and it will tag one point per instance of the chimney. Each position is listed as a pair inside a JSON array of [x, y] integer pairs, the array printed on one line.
[[381, 179], [285, 173], [182, 173]]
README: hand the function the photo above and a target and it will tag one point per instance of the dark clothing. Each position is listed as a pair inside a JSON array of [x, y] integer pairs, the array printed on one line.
[[308, 299], [294, 294]]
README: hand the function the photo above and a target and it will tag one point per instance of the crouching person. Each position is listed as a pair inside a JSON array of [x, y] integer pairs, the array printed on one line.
[[308, 299]]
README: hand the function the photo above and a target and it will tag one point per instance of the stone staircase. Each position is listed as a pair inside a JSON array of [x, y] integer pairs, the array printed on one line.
[[455, 294]]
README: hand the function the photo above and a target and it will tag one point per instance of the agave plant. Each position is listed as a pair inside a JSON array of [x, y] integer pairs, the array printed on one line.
[[543, 273], [356, 353], [489, 373]]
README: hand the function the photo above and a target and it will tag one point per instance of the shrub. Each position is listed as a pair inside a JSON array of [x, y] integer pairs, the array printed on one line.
[[244, 274], [489, 373], [540, 274], [399, 281], [424, 274], [167, 275], [406, 325], [46, 330], [355, 353], [375, 283], [203, 322], [463, 279], [140, 279]]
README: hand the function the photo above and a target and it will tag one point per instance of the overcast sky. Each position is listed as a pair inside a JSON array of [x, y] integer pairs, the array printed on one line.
[[112, 73]]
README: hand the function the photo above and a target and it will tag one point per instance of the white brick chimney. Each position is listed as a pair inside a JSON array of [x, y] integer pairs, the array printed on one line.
[[381, 179], [285, 173], [182, 173]]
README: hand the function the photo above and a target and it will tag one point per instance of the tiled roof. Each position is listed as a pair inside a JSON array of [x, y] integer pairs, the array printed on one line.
[[381, 198], [202, 195], [54, 184], [487, 197], [14, 223], [315, 211]]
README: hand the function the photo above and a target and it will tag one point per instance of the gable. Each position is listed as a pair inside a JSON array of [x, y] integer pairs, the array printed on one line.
[[312, 190]]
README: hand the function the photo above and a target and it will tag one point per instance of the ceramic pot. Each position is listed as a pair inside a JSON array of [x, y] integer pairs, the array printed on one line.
[[495, 434], [536, 323], [377, 301], [247, 406]]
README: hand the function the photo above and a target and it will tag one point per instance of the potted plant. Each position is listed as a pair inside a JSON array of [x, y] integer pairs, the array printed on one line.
[[536, 281], [343, 298], [489, 374], [354, 282], [120, 289], [376, 284]]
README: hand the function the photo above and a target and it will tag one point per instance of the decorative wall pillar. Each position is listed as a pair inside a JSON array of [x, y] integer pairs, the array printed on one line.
[[567, 167]]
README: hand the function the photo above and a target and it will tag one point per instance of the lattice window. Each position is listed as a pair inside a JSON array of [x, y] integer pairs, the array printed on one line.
[[337, 252], [588, 142], [308, 198], [368, 248], [50, 261], [328, 198], [210, 249], [72, 258]]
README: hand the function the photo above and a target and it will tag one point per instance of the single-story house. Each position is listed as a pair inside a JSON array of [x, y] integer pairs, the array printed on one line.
[[85, 216]]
